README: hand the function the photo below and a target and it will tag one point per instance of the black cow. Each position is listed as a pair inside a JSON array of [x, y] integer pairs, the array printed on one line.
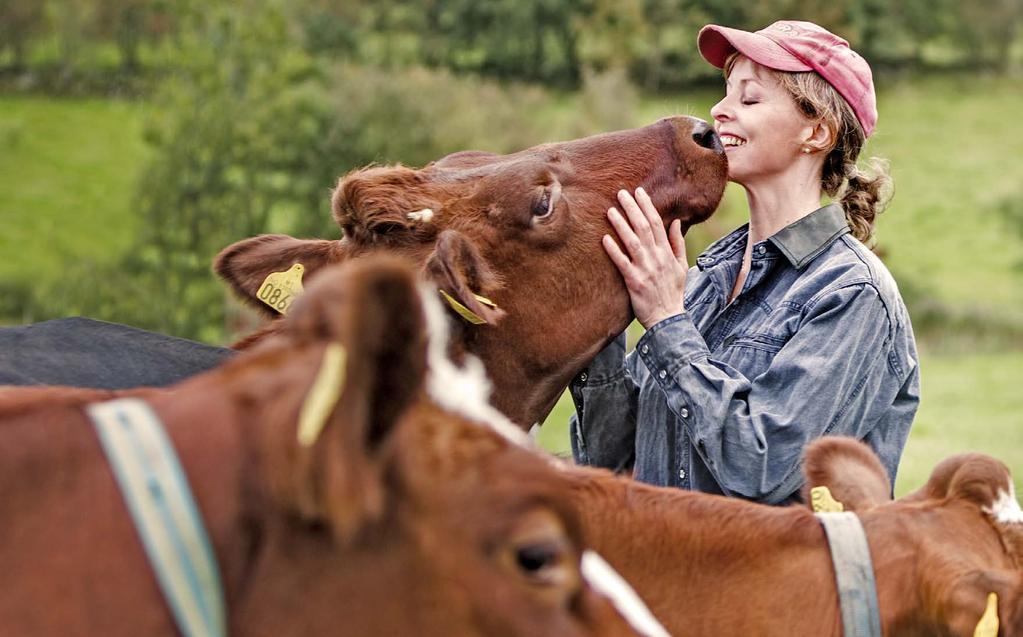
[[83, 352]]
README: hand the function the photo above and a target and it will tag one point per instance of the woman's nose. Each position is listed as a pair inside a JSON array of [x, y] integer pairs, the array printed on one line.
[[721, 111]]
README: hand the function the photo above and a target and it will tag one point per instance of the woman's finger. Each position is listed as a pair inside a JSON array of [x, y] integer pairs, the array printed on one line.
[[626, 234], [636, 218], [678, 243], [646, 205], [618, 257]]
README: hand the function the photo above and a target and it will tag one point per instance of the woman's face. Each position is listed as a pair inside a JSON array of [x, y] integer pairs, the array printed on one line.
[[760, 125]]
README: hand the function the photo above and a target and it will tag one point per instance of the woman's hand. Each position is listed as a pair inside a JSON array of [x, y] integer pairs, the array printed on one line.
[[654, 264]]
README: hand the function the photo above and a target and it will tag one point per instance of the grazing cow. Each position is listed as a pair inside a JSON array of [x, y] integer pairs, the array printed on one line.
[[396, 512], [709, 565], [522, 230]]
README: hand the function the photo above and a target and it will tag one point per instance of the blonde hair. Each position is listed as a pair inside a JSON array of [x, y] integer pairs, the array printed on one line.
[[863, 195]]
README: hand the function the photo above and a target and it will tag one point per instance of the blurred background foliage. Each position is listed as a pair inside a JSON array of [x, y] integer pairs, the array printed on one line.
[[139, 137]]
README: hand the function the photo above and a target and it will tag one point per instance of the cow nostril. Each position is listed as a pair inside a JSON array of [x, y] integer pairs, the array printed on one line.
[[705, 137]]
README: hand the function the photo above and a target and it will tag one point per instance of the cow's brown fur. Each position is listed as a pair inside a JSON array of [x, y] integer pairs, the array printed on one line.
[[560, 298], [401, 518], [709, 565]]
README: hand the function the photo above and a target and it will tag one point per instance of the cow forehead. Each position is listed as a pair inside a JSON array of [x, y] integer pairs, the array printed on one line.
[[475, 164]]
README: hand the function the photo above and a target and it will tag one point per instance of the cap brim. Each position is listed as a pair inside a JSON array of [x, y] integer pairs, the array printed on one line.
[[716, 43]]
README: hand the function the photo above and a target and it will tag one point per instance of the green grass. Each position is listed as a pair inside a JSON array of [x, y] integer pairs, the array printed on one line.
[[67, 174], [968, 403]]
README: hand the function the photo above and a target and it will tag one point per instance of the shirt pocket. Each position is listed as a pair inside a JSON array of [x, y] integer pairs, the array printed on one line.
[[750, 353]]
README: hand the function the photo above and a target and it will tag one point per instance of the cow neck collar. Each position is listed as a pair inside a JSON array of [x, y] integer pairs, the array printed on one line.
[[854, 570], [157, 494]]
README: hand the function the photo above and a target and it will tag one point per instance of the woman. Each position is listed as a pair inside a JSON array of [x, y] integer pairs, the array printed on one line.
[[788, 328]]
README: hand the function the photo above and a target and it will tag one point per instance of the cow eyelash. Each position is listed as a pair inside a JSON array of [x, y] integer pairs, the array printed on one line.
[[548, 199]]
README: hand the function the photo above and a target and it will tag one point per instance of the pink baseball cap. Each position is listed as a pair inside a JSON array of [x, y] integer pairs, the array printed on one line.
[[792, 45]]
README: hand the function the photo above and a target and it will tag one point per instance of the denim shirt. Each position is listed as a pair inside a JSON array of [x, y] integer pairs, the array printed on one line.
[[723, 397]]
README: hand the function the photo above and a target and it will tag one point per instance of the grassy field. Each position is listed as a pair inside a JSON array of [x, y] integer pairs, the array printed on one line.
[[68, 168], [67, 173]]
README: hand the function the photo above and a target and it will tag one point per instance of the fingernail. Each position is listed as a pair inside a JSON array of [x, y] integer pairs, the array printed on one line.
[[640, 191]]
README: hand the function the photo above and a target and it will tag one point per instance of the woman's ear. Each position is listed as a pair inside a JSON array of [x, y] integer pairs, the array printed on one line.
[[820, 138]]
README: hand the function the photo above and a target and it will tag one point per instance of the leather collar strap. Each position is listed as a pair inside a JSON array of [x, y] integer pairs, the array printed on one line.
[[854, 574], [156, 492]]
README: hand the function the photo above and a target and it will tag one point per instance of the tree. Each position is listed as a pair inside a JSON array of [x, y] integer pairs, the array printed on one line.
[[20, 20]]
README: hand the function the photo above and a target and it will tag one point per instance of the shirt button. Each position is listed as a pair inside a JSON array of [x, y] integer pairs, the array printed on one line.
[[681, 474], [662, 374], [684, 412], [583, 377], [644, 349]]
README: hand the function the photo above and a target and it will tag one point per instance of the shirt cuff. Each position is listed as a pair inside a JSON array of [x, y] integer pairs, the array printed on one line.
[[669, 345]]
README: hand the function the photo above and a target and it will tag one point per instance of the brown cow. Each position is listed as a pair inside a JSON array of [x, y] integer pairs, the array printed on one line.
[[402, 518], [522, 230], [709, 565]]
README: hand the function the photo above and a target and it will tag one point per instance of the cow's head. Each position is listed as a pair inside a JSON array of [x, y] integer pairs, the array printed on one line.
[[950, 544], [404, 509], [523, 230]]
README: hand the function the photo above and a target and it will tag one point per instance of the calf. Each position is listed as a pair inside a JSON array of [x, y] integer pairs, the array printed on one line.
[[402, 516], [522, 230], [709, 565]]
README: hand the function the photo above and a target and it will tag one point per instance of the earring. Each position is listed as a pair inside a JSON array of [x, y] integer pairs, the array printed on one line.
[[806, 150]]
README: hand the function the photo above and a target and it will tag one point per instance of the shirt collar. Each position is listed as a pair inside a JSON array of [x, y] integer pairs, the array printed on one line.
[[800, 241], [807, 237]]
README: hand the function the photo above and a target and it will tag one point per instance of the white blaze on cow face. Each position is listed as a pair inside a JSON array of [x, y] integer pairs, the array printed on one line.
[[604, 579], [1005, 509], [463, 390]]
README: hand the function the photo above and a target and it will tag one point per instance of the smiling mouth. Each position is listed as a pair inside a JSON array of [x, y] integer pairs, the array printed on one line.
[[731, 141]]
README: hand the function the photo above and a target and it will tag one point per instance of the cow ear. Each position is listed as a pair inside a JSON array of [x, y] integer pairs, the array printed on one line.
[[464, 278], [938, 484], [370, 314], [246, 264], [970, 476], [850, 470]]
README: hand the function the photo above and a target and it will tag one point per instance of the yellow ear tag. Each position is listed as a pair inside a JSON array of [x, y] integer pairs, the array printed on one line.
[[279, 289], [988, 624], [465, 312], [323, 395], [822, 502]]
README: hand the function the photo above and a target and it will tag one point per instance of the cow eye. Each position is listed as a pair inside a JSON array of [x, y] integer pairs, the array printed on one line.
[[542, 554], [548, 199], [544, 562], [538, 553], [542, 207]]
